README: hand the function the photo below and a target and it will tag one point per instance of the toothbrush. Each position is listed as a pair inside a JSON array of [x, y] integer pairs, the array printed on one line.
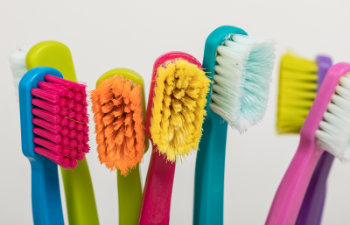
[[312, 208], [240, 69], [54, 131], [298, 83], [175, 114], [118, 105], [325, 129], [80, 199]]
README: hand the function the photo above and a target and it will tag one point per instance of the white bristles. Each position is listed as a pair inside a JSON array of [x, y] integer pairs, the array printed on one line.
[[241, 80], [333, 134], [18, 65]]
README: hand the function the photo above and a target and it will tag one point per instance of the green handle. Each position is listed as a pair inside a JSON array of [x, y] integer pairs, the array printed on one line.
[[130, 197], [80, 199]]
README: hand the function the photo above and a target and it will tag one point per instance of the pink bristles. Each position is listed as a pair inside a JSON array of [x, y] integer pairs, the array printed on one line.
[[47, 95], [53, 108], [46, 125], [48, 116], [55, 138], [60, 121]]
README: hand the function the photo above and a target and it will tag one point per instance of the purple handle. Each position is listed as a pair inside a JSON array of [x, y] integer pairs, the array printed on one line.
[[323, 64], [312, 208]]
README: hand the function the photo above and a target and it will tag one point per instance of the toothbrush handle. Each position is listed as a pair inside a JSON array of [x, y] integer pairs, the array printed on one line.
[[46, 200], [157, 193], [130, 197], [80, 198], [312, 208], [291, 191], [210, 173]]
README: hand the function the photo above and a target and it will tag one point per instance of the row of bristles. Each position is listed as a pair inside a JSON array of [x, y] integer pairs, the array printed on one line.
[[184, 102]]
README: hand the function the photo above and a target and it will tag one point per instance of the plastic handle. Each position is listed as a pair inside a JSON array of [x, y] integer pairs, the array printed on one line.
[[291, 191], [210, 173], [210, 163], [130, 197], [157, 193], [80, 198], [46, 201], [312, 208], [313, 204]]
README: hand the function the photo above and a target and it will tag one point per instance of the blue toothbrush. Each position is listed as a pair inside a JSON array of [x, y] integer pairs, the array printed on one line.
[[46, 201]]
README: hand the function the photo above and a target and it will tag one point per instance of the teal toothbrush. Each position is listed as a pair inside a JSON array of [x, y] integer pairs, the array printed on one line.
[[239, 68]]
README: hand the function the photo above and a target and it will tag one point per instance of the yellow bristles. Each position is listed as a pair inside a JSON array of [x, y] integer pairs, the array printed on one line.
[[178, 108], [297, 91]]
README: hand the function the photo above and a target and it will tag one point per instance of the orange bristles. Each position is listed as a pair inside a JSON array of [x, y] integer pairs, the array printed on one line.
[[120, 135]]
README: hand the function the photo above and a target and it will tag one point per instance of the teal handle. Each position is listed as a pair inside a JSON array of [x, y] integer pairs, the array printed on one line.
[[130, 197], [210, 171], [210, 163], [46, 201]]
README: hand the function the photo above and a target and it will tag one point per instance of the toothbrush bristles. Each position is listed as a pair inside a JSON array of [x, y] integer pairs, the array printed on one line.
[[60, 121], [241, 80]]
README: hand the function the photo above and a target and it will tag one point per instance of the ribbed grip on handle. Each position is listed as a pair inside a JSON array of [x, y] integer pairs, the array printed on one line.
[[157, 192]]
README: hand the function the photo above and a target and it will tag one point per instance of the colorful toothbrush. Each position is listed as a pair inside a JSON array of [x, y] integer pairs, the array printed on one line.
[[80, 199], [175, 114], [326, 128], [240, 70], [54, 130], [298, 83], [118, 105]]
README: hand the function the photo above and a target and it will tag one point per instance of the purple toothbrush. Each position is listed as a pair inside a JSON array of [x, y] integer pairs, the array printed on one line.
[[312, 208]]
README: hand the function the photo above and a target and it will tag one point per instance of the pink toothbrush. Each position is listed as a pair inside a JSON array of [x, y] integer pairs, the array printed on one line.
[[327, 127]]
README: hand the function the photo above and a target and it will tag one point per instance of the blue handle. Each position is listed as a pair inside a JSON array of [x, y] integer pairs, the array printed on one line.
[[46, 200], [210, 163]]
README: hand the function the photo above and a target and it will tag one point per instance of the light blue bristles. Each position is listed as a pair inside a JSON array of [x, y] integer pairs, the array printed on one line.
[[241, 80]]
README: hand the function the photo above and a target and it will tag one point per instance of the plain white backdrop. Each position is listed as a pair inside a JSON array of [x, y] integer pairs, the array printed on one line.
[[106, 34]]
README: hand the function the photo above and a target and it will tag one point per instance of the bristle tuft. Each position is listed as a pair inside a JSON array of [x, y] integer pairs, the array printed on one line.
[[120, 134], [178, 108], [333, 134], [56, 121], [297, 91], [241, 80]]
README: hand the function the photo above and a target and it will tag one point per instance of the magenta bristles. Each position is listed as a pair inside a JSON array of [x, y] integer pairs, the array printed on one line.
[[60, 120]]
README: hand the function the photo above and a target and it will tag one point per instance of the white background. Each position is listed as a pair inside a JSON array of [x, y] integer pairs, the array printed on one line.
[[106, 34]]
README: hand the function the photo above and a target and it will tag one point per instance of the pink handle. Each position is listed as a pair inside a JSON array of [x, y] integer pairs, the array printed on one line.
[[157, 193], [290, 194]]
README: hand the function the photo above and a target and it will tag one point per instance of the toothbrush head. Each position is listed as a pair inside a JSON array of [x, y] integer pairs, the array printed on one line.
[[297, 91], [241, 69], [118, 107], [328, 122], [52, 54], [176, 103], [54, 121], [299, 80]]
